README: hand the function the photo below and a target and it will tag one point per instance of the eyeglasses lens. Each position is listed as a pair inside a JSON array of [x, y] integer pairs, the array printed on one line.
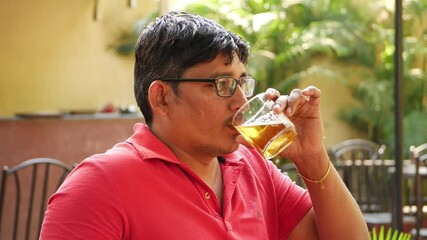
[[226, 86], [248, 86]]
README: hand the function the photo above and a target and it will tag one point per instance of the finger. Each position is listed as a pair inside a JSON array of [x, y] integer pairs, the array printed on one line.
[[295, 98], [311, 91], [272, 94], [280, 104]]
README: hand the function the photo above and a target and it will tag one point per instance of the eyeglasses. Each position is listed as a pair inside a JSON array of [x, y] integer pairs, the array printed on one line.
[[225, 86]]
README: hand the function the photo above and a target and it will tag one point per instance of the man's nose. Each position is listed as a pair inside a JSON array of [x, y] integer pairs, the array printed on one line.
[[239, 97]]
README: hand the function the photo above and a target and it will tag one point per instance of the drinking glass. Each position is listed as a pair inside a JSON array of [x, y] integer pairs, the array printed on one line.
[[268, 132]]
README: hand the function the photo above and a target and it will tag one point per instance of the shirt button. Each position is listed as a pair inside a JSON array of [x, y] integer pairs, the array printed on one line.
[[207, 195]]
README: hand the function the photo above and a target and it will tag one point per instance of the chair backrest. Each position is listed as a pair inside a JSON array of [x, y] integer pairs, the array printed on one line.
[[24, 192], [361, 165], [418, 155]]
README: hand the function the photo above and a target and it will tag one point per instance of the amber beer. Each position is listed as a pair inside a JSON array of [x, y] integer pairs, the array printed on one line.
[[268, 138], [268, 132]]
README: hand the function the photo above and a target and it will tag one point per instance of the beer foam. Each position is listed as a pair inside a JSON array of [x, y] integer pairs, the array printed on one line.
[[266, 119]]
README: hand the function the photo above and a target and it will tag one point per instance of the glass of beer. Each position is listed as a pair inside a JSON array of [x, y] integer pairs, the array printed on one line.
[[266, 131]]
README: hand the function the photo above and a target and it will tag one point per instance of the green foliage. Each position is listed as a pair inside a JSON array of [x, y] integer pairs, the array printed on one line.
[[284, 36], [374, 114], [389, 235], [124, 43]]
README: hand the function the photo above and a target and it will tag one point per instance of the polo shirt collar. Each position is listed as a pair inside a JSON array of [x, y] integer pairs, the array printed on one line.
[[149, 146]]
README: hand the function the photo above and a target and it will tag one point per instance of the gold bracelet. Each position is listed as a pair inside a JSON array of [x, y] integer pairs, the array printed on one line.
[[322, 186]]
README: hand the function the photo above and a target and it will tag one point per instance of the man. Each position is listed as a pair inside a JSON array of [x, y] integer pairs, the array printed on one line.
[[187, 173]]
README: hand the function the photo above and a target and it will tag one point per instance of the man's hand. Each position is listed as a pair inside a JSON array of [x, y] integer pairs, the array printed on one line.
[[303, 109]]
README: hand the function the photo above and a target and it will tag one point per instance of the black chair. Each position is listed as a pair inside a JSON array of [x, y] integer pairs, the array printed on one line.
[[360, 163], [418, 156], [366, 174], [24, 192]]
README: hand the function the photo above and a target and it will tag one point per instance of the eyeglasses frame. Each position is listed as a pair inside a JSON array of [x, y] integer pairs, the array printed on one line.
[[215, 81]]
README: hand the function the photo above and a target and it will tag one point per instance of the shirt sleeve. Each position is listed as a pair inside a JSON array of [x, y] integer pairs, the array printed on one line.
[[84, 207], [292, 200]]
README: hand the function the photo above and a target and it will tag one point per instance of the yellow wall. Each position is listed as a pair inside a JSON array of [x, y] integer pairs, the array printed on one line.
[[335, 96], [53, 55]]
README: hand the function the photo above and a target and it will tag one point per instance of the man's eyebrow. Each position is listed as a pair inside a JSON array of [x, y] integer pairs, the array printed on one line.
[[220, 74]]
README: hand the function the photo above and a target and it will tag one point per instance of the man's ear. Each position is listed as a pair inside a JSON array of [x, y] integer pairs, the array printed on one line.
[[158, 92]]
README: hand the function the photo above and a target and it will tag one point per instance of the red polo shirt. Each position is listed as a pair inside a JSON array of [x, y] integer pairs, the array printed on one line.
[[140, 190]]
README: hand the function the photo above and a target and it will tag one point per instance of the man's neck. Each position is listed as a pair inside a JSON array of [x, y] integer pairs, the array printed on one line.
[[205, 167]]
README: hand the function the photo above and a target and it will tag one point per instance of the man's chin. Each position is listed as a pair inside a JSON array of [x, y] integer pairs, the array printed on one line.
[[242, 140], [231, 148]]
